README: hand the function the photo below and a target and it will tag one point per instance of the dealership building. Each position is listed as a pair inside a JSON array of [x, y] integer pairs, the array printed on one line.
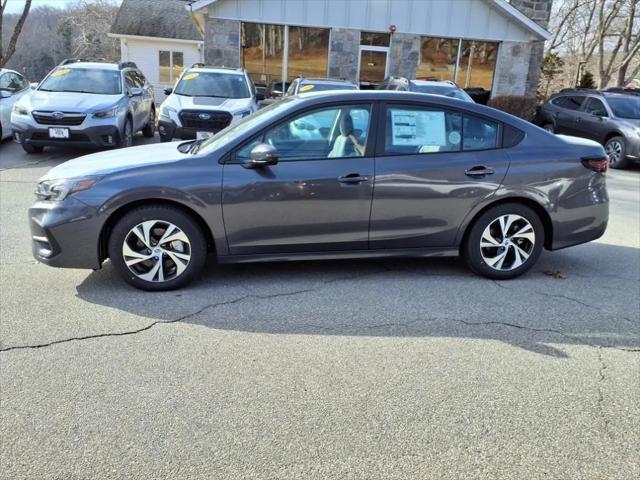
[[495, 45]]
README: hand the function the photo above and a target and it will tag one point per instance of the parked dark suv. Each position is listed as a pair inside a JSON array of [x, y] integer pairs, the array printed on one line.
[[328, 175], [612, 118]]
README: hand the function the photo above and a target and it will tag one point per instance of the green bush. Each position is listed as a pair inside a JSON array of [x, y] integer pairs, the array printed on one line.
[[520, 106]]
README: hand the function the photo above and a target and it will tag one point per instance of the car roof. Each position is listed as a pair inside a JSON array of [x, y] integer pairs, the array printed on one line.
[[97, 65], [342, 96], [232, 71], [434, 83]]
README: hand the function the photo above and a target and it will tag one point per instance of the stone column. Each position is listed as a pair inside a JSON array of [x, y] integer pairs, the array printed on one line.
[[222, 43], [512, 69], [344, 54], [404, 55]]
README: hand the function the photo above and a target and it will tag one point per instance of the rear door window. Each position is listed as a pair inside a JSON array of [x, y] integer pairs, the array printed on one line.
[[479, 133], [570, 102]]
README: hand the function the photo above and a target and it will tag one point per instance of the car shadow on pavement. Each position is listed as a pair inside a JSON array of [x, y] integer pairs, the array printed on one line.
[[596, 304]]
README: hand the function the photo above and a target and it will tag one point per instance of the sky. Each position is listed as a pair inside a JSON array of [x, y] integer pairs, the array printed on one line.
[[16, 6]]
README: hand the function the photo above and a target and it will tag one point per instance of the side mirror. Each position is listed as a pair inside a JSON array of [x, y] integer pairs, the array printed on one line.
[[259, 97], [262, 155], [5, 94], [135, 92], [168, 91]]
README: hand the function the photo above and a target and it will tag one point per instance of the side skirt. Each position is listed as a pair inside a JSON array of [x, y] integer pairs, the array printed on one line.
[[336, 255]]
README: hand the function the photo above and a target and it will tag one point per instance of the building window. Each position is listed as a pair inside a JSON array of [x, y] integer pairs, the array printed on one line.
[[308, 52], [438, 58], [171, 66], [262, 51], [477, 64], [374, 39]]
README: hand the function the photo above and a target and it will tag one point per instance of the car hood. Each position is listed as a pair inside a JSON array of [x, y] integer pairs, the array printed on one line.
[[180, 102], [68, 101], [104, 163]]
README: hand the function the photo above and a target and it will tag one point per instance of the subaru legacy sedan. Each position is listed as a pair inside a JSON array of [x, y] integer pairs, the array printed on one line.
[[328, 176]]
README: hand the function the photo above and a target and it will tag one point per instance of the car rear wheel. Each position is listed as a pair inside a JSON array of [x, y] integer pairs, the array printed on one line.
[[150, 129], [549, 127], [617, 153], [504, 242], [157, 248], [32, 148], [126, 138]]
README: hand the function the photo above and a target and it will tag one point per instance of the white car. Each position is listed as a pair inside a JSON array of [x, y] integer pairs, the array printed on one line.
[[205, 100], [13, 87]]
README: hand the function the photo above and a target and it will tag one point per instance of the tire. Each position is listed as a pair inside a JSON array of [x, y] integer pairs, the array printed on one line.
[[126, 136], [617, 152], [165, 138], [150, 129], [549, 127], [148, 258], [488, 229], [32, 148]]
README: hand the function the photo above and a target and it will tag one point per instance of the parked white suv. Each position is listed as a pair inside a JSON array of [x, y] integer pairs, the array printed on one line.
[[205, 100], [13, 87]]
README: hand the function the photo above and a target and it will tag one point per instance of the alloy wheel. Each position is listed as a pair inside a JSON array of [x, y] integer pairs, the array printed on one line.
[[507, 242], [614, 151], [156, 251]]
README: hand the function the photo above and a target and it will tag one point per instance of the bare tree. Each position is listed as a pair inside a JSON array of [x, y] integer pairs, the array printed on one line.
[[602, 34], [5, 55]]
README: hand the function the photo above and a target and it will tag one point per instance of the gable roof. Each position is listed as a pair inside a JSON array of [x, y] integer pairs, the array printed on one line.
[[508, 10], [155, 18]]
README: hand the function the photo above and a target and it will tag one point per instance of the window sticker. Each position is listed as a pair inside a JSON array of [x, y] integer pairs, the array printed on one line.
[[61, 72], [414, 128], [306, 88], [454, 138], [190, 76]]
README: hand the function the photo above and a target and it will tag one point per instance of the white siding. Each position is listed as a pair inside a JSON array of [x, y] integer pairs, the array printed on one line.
[[474, 19], [146, 54]]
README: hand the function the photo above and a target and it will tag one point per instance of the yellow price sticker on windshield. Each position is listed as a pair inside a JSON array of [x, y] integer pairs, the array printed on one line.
[[61, 72], [191, 76], [306, 88]]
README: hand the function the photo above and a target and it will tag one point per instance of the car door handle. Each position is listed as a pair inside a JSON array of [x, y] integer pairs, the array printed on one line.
[[479, 171], [352, 178]]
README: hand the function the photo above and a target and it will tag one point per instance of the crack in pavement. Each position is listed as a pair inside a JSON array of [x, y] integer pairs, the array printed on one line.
[[600, 398], [243, 298], [50, 158]]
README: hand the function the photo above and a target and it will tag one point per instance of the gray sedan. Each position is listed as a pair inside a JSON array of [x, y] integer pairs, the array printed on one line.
[[326, 176]]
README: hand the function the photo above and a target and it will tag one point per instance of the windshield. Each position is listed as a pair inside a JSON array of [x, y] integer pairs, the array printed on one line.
[[321, 87], [444, 91], [210, 84], [83, 80], [627, 107], [236, 130]]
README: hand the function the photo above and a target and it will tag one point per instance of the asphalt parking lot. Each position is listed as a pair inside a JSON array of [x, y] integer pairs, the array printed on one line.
[[394, 369]]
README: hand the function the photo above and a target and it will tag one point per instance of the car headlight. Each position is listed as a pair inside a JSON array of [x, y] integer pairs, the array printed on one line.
[[58, 190], [19, 110], [111, 112], [242, 113], [166, 111]]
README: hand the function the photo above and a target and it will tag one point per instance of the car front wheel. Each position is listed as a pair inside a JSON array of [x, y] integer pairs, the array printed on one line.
[[504, 242], [157, 248], [126, 137], [150, 129], [617, 153]]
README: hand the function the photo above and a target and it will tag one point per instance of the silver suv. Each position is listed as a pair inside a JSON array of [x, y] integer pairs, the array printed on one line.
[[85, 104]]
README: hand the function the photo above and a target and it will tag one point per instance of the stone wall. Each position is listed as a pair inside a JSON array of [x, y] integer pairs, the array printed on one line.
[[537, 10], [222, 42], [344, 54], [512, 69], [404, 55]]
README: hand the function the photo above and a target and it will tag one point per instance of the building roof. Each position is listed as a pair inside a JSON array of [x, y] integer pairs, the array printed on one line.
[[401, 10], [155, 18]]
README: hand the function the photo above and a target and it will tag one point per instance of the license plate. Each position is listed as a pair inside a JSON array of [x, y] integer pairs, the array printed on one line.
[[58, 133], [202, 135]]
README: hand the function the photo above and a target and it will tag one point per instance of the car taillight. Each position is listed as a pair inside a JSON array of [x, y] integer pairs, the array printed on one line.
[[597, 164]]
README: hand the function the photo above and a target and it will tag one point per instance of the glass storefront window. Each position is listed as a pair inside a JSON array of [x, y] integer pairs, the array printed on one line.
[[477, 64], [374, 39], [171, 66], [308, 52], [262, 51], [437, 58]]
